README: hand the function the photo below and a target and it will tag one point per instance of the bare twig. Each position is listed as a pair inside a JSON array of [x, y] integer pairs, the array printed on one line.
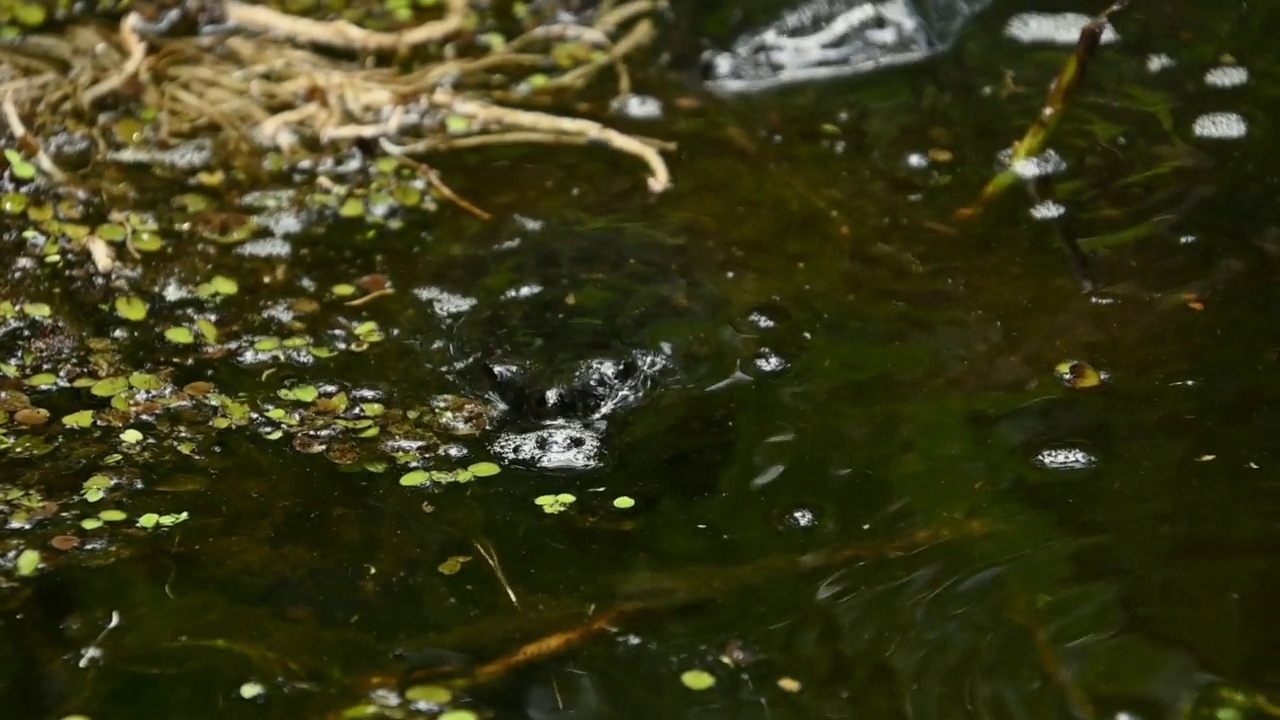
[[433, 177], [137, 50], [485, 113], [486, 551], [43, 161], [343, 35]]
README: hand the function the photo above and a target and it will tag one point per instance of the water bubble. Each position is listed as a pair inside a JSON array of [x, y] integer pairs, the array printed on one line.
[[801, 518], [1066, 457], [559, 447], [768, 361], [761, 321]]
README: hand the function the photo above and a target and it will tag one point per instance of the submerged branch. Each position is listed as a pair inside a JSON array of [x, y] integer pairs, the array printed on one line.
[[698, 585]]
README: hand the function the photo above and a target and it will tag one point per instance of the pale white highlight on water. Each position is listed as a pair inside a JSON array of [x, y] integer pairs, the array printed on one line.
[[1159, 61], [1047, 210], [638, 107], [444, 302], [272, 247], [1220, 126], [1227, 76], [522, 291], [1053, 28], [1030, 168]]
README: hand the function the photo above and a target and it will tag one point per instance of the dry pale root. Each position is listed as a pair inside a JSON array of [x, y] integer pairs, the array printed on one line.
[[265, 84]]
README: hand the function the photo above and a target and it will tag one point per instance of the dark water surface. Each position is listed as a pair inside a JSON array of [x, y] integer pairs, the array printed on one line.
[[835, 409]]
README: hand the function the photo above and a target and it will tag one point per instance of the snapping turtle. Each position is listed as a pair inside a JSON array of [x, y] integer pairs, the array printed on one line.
[[565, 328]]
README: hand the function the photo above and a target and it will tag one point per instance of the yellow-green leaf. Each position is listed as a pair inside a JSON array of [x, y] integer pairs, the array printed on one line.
[[42, 380], [131, 307], [28, 562], [697, 679], [107, 387], [224, 285], [81, 419], [207, 330], [145, 381], [40, 310]]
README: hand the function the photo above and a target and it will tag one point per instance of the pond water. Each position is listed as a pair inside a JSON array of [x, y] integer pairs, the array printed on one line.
[[789, 426]]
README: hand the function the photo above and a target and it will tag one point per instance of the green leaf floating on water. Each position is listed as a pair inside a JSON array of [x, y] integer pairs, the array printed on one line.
[[173, 518], [434, 694], [131, 307], [22, 169], [179, 335], [208, 331], [484, 469], [42, 380], [224, 285], [112, 515], [95, 489], [38, 310], [149, 520], [697, 679], [458, 715], [81, 419], [147, 241], [453, 565], [145, 381], [131, 436], [622, 502], [415, 478], [107, 387], [552, 504], [28, 562]]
